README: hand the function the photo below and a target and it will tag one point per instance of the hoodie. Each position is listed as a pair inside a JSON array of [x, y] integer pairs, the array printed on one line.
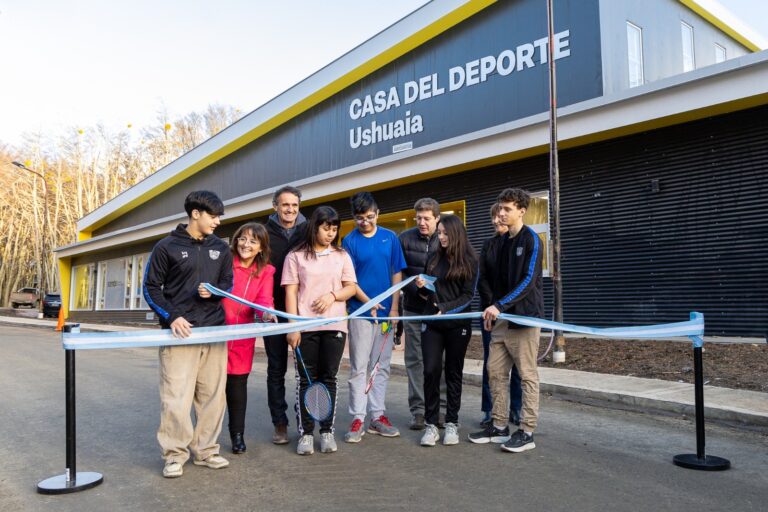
[[176, 267]]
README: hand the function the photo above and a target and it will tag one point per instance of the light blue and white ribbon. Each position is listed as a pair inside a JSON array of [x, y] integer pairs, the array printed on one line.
[[693, 328]]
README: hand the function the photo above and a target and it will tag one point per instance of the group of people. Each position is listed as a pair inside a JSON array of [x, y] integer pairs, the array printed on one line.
[[296, 265]]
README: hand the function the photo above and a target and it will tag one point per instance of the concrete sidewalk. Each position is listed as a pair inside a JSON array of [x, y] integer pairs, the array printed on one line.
[[740, 408]]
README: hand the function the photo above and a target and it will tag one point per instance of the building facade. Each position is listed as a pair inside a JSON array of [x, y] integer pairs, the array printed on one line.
[[662, 158]]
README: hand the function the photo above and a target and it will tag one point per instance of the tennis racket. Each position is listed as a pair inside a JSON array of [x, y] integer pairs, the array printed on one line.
[[386, 329], [317, 398]]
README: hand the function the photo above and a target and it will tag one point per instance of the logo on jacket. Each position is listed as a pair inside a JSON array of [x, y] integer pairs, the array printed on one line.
[[184, 254], [213, 254], [519, 251]]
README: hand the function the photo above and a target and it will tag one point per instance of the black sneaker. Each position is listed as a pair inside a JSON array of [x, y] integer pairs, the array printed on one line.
[[490, 434], [519, 442]]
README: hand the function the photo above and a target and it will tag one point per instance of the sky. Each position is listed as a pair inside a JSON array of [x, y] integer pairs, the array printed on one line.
[[78, 63]]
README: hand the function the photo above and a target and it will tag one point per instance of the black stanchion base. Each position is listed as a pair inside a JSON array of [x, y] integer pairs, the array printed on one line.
[[59, 485], [708, 463]]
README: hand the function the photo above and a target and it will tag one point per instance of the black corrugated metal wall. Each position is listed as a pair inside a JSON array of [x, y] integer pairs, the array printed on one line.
[[654, 225]]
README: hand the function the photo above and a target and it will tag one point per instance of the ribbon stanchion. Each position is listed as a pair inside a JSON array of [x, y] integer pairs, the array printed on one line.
[[71, 480], [700, 460]]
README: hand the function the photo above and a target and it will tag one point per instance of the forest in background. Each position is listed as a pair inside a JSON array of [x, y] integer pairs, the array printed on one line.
[[83, 169]]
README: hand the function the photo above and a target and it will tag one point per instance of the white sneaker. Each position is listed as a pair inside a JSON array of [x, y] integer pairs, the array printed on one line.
[[451, 435], [214, 461], [327, 443], [173, 469], [306, 445], [431, 435]]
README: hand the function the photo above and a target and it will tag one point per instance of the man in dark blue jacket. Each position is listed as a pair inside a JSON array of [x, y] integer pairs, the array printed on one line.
[[287, 228], [191, 374], [517, 289]]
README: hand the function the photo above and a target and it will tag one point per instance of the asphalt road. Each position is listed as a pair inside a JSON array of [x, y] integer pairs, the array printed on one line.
[[588, 458]]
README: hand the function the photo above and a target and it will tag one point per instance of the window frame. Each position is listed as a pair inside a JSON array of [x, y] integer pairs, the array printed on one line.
[[687, 36], [640, 61], [724, 52], [91, 287]]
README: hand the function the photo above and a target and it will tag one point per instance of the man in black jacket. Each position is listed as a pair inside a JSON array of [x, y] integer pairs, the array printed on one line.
[[287, 227], [517, 289], [176, 269], [418, 243]]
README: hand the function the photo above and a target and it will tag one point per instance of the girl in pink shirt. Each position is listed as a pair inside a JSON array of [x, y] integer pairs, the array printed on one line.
[[319, 277], [253, 281]]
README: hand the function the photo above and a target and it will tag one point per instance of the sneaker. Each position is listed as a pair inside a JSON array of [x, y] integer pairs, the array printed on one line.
[[490, 434], [381, 426], [280, 435], [487, 420], [519, 442], [327, 442], [306, 445], [355, 433], [451, 435], [214, 461], [417, 422], [431, 435], [173, 469], [441, 420]]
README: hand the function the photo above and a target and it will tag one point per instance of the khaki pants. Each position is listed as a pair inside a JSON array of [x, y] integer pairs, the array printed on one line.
[[191, 374], [519, 347]]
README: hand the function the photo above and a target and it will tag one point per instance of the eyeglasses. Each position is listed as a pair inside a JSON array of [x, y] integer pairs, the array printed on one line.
[[247, 241], [360, 219]]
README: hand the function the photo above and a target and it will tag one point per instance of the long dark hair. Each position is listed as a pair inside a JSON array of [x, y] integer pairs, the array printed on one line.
[[259, 232], [321, 216], [461, 257]]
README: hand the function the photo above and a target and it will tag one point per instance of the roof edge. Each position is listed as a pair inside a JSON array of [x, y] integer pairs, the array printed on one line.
[[421, 26]]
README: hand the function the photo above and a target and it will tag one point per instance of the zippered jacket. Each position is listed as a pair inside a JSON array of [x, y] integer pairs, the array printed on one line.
[[518, 289], [253, 288], [176, 267], [417, 249], [279, 247], [450, 295]]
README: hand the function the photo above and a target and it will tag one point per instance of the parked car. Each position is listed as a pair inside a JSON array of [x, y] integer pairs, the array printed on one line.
[[26, 297], [51, 304]]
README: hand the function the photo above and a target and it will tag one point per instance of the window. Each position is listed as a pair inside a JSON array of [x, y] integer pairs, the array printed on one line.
[[635, 54], [114, 286], [689, 62], [719, 53], [537, 217], [138, 267], [83, 280], [119, 283]]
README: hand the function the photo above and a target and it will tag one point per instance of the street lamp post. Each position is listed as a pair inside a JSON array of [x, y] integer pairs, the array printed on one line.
[[41, 236]]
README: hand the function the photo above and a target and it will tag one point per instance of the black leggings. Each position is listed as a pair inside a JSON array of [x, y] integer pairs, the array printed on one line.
[[322, 351], [453, 341], [237, 396]]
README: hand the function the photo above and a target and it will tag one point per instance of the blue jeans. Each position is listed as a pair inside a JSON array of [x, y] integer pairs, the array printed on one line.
[[515, 387]]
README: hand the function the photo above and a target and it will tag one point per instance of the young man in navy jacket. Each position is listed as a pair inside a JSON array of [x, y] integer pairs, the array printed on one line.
[[191, 374], [517, 289]]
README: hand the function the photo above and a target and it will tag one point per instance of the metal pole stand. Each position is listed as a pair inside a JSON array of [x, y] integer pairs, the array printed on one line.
[[71, 480], [700, 460]]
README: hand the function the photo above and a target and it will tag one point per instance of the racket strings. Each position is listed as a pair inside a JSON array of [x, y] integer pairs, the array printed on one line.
[[317, 401]]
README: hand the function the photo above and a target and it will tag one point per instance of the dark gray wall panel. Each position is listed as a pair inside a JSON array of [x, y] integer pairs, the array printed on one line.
[[318, 141]]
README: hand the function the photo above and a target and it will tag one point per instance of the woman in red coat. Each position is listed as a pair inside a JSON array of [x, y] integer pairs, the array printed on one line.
[[254, 278]]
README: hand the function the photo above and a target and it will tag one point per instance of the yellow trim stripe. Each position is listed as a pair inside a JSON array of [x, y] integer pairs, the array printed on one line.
[[411, 42], [65, 279], [714, 20]]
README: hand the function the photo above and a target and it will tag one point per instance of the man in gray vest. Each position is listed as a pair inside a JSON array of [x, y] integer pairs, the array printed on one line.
[[418, 244]]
